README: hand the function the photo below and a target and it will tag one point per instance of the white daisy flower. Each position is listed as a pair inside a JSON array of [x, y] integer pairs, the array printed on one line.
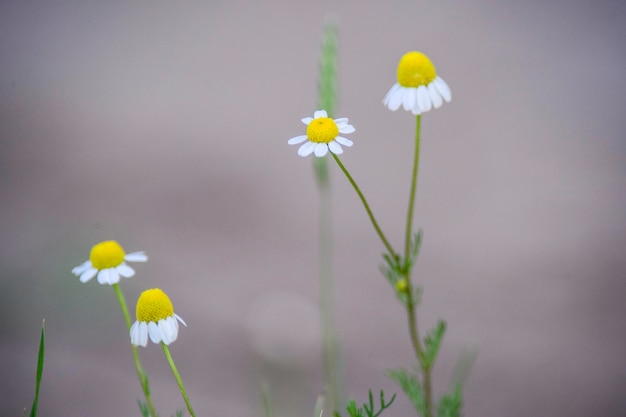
[[419, 88], [107, 260], [155, 319], [322, 135]]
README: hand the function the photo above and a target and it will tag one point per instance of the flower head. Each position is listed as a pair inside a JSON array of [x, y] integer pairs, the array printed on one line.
[[107, 260], [322, 135], [155, 318], [419, 88]]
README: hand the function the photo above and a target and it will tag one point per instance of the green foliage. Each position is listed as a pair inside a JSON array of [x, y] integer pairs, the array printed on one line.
[[143, 408], [432, 343], [450, 404], [40, 359], [411, 387], [396, 269], [368, 409]]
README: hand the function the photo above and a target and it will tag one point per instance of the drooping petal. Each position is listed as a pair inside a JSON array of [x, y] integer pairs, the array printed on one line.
[[297, 139], [321, 149], [443, 89], [344, 141], [320, 113], [78, 270], [435, 97], [395, 99], [88, 274], [423, 98], [390, 93], [108, 276], [124, 270], [409, 98], [335, 148], [136, 257], [306, 149], [139, 334], [154, 332], [180, 320]]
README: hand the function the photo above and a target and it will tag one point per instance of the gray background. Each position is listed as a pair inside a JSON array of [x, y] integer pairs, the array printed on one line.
[[163, 125]]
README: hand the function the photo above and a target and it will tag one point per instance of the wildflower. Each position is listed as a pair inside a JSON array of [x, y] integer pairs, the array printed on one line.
[[155, 318], [322, 135], [107, 260], [419, 88]]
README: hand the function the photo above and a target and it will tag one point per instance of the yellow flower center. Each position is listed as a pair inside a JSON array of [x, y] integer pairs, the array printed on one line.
[[106, 254], [154, 305], [415, 69], [322, 130]]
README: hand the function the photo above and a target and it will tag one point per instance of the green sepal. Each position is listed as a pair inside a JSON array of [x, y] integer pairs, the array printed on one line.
[[411, 387], [432, 343]]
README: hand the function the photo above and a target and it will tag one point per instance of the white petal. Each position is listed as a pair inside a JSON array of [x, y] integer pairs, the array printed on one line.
[[395, 99], [180, 320], [78, 270], [169, 329], [335, 148], [88, 274], [409, 99], [416, 109], [154, 332], [306, 149], [108, 276], [139, 334], [341, 120], [320, 113], [307, 120], [391, 92], [344, 141], [124, 270], [443, 89], [435, 97], [297, 139], [136, 257], [423, 98], [321, 149], [346, 129]]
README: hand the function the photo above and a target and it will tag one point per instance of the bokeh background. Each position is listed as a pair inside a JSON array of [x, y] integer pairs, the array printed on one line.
[[163, 125]]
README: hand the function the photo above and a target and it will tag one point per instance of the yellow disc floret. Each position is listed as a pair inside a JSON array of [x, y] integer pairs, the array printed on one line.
[[415, 69], [322, 130], [106, 254], [154, 305]]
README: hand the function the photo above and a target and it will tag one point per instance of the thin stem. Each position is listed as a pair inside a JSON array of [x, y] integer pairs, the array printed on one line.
[[409, 215], [143, 377], [367, 207], [168, 356], [411, 307]]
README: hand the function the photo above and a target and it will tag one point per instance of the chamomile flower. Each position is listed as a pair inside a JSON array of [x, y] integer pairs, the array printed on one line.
[[322, 135], [419, 88], [155, 318], [107, 260]]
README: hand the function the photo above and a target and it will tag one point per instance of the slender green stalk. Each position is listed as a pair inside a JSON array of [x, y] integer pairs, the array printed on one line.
[[409, 215], [327, 100], [178, 379], [141, 374], [367, 207], [411, 307], [40, 360]]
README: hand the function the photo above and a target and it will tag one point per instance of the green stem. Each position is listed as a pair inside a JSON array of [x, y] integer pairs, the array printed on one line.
[[409, 215], [367, 207], [411, 307], [143, 377], [178, 379]]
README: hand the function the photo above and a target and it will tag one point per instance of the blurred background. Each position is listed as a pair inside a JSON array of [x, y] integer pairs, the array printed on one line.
[[163, 125]]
